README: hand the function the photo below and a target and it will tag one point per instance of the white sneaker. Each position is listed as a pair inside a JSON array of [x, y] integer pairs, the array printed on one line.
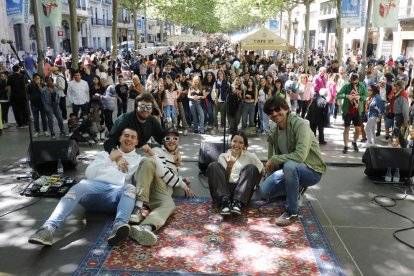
[[46, 134], [143, 235], [36, 134], [5, 126], [185, 132]]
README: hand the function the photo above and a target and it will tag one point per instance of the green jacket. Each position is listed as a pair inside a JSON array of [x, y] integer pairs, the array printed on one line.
[[346, 90], [302, 145]]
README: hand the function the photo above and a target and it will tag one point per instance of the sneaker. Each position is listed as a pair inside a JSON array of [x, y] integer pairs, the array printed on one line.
[[185, 132], [53, 137], [323, 143], [120, 231], [225, 207], [286, 219], [345, 150], [42, 236], [63, 134], [143, 234], [36, 134], [363, 140], [355, 146], [236, 207], [201, 132], [5, 125], [377, 134], [136, 216], [46, 134], [387, 137]]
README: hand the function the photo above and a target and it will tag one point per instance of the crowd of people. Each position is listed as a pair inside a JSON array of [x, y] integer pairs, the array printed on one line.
[[204, 90]]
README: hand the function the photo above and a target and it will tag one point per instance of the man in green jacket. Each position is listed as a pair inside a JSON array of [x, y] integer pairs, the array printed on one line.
[[294, 158], [354, 94]]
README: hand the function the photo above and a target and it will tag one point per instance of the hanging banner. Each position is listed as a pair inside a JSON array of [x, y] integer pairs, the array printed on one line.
[[17, 11], [273, 24], [351, 12], [385, 13], [50, 13]]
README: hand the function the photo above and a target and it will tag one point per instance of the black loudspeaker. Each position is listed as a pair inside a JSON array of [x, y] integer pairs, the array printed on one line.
[[209, 152], [377, 161], [45, 155]]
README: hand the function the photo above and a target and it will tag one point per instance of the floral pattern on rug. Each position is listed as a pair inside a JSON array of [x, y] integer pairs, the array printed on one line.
[[198, 240]]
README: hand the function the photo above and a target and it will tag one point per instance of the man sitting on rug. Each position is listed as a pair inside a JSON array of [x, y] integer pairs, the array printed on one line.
[[294, 156], [105, 189], [156, 192]]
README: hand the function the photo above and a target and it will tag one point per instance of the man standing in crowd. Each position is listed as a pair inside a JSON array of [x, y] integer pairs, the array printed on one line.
[[34, 89], [294, 158], [78, 94], [18, 101], [354, 94], [400, 109], [60, 84], [320, 80]]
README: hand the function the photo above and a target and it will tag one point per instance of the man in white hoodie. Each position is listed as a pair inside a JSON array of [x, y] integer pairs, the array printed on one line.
[[107, 188]]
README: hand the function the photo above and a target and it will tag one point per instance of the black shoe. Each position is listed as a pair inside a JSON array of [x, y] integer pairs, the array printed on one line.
[[363, 140], [345, 150], [225, 207], [355, 146], [323, 143], [387, 137], [377, 134], [236, 207]]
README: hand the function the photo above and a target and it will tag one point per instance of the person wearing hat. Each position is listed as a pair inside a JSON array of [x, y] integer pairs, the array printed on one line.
[[197, 69], [156, 192]]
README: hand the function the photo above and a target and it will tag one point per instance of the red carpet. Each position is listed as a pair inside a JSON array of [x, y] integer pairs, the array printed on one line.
[[197, 240]]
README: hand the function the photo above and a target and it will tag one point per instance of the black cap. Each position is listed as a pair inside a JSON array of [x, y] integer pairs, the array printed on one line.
[[171, 130]]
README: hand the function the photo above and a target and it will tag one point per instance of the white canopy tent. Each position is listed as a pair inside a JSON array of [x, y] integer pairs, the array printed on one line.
[[262, 39], [187, 38]]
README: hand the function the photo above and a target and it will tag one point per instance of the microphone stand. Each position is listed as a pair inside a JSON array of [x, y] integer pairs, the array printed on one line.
[[33, 174]]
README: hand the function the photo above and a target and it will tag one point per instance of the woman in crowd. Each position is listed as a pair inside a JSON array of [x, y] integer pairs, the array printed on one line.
[[263, 94], [134, 90], [332, 91], [249, 105], [208, 104], [196, 95], [305, 92], [50, 101], [158, 95], [96, 88], [234, 106], [233, 177], [374, 108], [270, 84], [219, 96], [152, 81]]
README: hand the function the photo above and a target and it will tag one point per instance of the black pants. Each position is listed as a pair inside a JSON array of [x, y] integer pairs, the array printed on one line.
[[5, 112], [320, 127], [84, 107], [397, 132], [108, 119], [242, 190], [62, 106], [20, 111], [303, 107]]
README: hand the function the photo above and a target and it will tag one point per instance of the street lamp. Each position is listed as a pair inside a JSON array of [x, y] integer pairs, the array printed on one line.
[[295, 31]]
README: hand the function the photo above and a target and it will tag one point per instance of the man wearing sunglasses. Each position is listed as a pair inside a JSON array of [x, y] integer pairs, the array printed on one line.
[[156, 192], [294, 158], [354, 94]]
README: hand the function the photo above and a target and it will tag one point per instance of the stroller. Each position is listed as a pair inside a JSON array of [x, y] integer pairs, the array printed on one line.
[[88, 128]]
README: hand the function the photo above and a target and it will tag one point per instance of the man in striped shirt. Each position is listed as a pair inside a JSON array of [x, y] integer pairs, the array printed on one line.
[[156, 192]]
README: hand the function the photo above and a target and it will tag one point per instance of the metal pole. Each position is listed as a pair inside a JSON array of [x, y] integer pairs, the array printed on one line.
[[365, 45]]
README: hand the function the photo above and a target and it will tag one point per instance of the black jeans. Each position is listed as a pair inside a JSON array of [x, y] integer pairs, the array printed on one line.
[[62, 106], [397, 131]]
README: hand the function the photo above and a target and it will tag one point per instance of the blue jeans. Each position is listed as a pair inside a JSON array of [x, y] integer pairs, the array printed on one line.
[[209, 119], [287, 181], [197, 114], [35, 112], [264, 119], [58, 114], [248, 115], [95, 196]]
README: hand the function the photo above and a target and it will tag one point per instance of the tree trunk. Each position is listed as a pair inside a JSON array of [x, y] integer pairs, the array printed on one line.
[[290, 26], [74, 43], [39, 42], [115, 7], [134, 16], [339, 34], [365, 45], [306, 46], [162, 31]]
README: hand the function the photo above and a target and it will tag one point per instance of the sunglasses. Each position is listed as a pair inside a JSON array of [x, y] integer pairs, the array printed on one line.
[[274, 110], [171, 138], [145, 107]]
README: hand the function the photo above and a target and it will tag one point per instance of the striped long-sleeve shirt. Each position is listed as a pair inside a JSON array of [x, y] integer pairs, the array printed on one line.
[[170, 169]]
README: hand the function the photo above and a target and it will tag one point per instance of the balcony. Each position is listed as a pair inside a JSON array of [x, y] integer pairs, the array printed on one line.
[[124, 20], [97, 21]]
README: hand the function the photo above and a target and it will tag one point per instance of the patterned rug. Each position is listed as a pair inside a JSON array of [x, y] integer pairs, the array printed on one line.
[[198, 240]]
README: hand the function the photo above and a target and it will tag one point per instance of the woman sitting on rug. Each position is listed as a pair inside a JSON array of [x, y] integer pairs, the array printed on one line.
[[233, 177]]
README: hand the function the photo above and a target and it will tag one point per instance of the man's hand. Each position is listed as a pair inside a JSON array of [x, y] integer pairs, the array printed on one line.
[[188, 192], [148, 150], [115, 155], [269, 166], [187, 180], [122, 165]]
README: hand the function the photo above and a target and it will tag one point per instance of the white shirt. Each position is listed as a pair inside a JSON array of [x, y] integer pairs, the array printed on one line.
[[78, 92], [244, 159]]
